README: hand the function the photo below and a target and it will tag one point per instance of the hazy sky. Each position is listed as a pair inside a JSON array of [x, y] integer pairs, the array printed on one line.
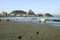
[[38, 6]]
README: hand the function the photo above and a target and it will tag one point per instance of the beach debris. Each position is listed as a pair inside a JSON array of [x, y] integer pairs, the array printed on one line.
[[19, 37], [7, 19], [37, 32]]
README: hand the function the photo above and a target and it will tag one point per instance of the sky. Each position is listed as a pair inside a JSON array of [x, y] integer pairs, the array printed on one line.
[[37, 6]]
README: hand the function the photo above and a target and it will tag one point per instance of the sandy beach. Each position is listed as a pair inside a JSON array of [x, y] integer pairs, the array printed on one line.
[[10, 30]]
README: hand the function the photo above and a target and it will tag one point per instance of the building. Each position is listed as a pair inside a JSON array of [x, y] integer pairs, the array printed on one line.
[[5, 14], [1, 14]]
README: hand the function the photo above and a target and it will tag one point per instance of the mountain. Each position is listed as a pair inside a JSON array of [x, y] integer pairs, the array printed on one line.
[[18, 13]]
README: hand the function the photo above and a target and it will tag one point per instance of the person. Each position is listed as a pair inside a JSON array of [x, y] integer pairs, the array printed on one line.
[[39, 21], [0, 20], [7, 19]]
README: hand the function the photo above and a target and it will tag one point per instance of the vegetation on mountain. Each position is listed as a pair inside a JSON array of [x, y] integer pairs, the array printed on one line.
[[48, 15], [30, 12], [18, 12], [40, 15]]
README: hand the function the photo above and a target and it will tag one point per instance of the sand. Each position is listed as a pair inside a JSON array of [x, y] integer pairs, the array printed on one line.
[[10, 30]]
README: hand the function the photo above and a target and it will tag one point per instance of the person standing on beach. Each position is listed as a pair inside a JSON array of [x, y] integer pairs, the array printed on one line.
[[39, 21]]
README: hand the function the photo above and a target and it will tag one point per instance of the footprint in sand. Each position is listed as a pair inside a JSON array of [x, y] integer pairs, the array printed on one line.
[[34, 37], [19, 37], [37, 32]]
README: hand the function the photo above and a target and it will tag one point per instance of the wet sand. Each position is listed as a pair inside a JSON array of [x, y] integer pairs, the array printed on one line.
[[10, 30]]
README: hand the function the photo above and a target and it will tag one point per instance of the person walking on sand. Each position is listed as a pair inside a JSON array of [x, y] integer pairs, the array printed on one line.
[[0, 20], [39, 21]]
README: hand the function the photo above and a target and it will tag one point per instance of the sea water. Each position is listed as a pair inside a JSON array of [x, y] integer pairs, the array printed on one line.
[[35, 20]]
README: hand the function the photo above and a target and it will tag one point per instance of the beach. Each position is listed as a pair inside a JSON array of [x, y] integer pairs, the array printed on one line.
[[12, 30]]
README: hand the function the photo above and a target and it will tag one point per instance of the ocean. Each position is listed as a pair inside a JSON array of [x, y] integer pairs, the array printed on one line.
[[35, 20]]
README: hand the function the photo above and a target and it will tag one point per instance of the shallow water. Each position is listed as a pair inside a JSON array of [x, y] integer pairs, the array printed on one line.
[[35, 20]]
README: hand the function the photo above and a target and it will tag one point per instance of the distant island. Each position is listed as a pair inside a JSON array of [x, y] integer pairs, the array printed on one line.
[[20, 13]]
